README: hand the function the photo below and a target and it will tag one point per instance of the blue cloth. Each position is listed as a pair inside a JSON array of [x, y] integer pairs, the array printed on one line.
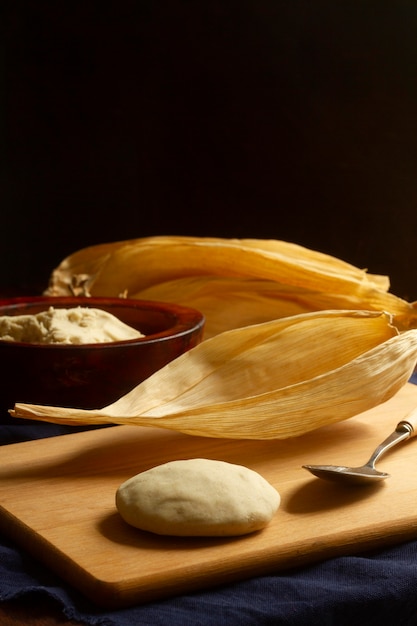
[[370, 589]]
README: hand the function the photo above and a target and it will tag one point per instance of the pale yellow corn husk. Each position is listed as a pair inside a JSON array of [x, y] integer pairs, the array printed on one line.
[[140, 263], [233, 282], [269, 381], [229, 303]]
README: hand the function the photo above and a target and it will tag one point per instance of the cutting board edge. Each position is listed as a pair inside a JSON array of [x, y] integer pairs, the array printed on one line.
[[118, 595], [47, 554], [113, 595]]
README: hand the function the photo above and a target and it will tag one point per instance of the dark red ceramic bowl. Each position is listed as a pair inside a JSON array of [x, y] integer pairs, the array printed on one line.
[[93, 375]]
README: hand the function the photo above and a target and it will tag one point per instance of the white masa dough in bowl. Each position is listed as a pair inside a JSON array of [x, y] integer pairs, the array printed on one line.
[[198, 497], [78, 325]]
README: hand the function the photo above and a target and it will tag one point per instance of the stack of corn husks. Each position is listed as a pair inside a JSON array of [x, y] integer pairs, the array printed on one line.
[[294, 339]]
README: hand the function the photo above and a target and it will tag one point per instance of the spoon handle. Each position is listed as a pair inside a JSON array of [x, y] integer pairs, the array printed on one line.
[[410, 421], [405, 429]]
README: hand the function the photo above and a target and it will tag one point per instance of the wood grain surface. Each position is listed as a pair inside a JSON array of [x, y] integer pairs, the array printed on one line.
[[33, 612], [57, 501]]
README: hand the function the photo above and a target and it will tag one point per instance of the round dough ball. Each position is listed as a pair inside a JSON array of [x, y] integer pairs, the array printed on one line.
[[198, 497]]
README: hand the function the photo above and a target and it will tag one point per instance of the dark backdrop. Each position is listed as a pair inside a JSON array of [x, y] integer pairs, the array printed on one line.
[[251, 118]]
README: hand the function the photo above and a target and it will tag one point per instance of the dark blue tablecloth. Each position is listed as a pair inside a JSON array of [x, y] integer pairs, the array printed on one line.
[[370, 589]]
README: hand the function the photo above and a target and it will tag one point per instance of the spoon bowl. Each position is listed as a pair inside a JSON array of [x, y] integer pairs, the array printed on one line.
[[367, 474], [352, 475]]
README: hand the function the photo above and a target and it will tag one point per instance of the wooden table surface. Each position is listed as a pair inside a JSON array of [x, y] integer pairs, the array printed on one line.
[[33, 612]]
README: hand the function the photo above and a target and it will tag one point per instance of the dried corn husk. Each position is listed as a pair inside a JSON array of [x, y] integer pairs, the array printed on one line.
[[233, 282], [229, 303], [273, 380], [138, 264]]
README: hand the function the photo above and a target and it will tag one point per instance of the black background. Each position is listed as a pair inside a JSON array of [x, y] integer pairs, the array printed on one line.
[[292, 120]]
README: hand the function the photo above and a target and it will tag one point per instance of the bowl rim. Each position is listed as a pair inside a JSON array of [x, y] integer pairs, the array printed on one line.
[[188, 319]]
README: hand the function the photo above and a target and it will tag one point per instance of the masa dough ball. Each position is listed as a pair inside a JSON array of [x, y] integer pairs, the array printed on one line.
[[198, 497]]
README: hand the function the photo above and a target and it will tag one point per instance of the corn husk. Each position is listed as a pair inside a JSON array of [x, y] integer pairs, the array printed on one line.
[[274, 380], [294, 339], [229, 303], [151, 260], [233, 282]]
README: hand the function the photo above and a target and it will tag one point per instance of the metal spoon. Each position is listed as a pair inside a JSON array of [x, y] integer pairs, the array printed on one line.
[[367, 473]]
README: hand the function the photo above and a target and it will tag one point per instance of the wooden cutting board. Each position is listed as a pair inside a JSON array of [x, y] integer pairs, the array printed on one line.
[[57, 501]]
